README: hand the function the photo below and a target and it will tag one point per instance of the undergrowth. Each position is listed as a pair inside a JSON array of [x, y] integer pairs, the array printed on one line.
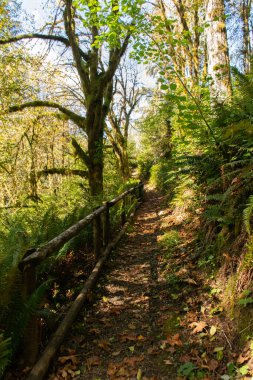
[[31, 227]]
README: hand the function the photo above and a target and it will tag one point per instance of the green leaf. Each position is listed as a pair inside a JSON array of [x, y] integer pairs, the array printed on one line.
[[244, 370], [218, 349], [245, 301], [139, 374], [164, 87], [219, 352], [200, 29], [186, 369], [213, 330], [173, 86], [131, 349]]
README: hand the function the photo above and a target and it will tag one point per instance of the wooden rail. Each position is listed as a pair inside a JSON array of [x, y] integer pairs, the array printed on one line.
[[102, 245]]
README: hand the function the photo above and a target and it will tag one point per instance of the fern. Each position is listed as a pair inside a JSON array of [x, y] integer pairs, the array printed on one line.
[[214, 213], [215, 197], [5, 353], [247, 213], [18, 324]]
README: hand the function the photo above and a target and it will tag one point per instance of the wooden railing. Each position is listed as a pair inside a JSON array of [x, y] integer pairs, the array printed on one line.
[[103, 242]]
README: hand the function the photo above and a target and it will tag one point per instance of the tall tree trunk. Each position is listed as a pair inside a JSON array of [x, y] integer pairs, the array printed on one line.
[[95, 128], [217, 49], [245, 15], [119, 146]]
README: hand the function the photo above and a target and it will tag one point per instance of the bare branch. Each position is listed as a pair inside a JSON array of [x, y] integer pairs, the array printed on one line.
[[77, 119], [50, 37], [69, 24]]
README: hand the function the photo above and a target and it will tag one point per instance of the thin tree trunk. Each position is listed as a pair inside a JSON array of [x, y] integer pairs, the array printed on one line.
[[245, 15], [217, 49]]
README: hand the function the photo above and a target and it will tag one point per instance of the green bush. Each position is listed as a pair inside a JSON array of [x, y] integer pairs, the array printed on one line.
[[159, 175]]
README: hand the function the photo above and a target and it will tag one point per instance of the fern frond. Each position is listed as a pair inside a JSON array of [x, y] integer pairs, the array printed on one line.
[[215, 197], [242, 162], [19, 323], [5, 353], [214, 213]]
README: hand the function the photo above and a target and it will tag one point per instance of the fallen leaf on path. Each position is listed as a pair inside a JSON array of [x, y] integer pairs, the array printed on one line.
[[126, 337], [123, 372], [153, 351], [185, 358], [106, 322], [131, 326], [198, 326], [213, 330], [213, 364], [139, 374], [190, 281], [72, 358], [104, 344], [242, 359], [94, 331], [112, 369], [133, 360], [164, 308], [116, 353], [93, 361], [168, 362], [173, 341], [131, 348]]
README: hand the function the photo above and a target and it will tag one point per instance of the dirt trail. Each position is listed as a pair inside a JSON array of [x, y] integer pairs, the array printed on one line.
[[120, 336], [154, 313]]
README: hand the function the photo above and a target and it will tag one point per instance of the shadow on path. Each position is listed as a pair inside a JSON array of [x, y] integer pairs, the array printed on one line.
[[120, 336]]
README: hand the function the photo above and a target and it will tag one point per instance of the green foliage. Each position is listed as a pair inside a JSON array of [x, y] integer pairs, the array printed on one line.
[[16, 316], [159, 175], [170, 239], [186, 369], [190, 371], [113, 21], [19, 321], [5, 353], [247, 213], [245, 301]]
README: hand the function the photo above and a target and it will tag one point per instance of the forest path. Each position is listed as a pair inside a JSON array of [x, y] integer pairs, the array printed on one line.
[[121, 336]]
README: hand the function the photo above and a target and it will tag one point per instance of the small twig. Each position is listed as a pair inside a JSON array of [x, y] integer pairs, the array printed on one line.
[[246, 328], [229, 343]]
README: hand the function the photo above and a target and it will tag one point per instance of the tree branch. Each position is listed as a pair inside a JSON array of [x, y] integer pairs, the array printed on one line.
[[50, 37], [64, 171], [70, 29], [114, 59], [80, 152], [77, 119]]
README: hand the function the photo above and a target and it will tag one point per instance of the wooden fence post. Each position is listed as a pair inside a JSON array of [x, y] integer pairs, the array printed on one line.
[[31, 333], [97, 236], [123, 213], [106, 225], [141, 190]]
